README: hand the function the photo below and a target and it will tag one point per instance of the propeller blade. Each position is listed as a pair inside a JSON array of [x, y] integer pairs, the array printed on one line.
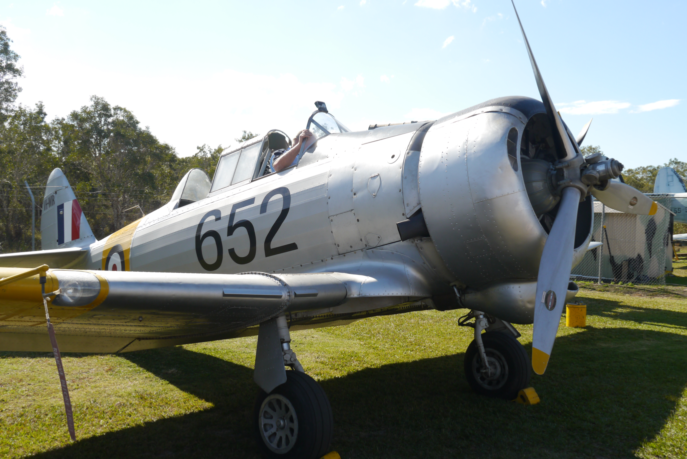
[[554, 276], [626, 199], [560, 135], [583, 133]]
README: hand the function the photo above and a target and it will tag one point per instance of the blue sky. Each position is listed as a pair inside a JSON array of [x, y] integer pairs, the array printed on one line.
[[200, 72]]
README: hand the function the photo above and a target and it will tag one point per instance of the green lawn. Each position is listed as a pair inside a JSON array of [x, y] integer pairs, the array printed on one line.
[[679, 276], [614, 389]]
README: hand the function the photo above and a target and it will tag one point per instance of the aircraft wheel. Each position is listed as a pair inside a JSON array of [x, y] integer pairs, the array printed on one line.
[[294, 420], [508, 362]]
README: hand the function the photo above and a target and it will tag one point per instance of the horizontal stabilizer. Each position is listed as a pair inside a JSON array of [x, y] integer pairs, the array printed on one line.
[[594, 245], [74, 257], [680, 237]]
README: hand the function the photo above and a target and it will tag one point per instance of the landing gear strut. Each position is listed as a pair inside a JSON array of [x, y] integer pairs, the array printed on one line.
[[293, 417], [495, 363]]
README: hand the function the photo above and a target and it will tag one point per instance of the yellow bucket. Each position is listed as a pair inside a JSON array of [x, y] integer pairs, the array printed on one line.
[[576, 315]]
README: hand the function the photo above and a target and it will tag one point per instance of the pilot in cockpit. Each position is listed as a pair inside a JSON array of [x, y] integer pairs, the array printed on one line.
[[281, 159]]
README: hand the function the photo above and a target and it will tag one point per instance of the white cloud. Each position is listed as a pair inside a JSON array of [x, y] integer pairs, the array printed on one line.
[[340, 8], [349, 85], [447, 41], [384, 79], [55, 11], [660, 105], [223, 103], [601, 107], [498, 16], [441, 4], [423, 114], [362, 2], [15, 32], [543, 3]]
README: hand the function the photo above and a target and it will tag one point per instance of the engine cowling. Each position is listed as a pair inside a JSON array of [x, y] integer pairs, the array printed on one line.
[[478, 206]]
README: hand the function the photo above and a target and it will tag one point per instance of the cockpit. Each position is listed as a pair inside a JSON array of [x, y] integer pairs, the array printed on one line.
[[253, 159], [322, 123]]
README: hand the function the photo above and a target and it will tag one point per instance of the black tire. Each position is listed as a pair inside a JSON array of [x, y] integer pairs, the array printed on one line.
[[314, 423], [511, 362]]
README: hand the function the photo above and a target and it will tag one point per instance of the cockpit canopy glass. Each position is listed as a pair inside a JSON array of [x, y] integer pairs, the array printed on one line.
[[236, 167], [322, 124]]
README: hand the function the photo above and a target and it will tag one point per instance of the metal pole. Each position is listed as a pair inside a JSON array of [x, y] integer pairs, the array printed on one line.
[[601, 228], [33, 217]]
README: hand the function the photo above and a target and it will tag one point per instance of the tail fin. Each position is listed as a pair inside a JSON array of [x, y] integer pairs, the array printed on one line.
[[668, 182], [63, 223]]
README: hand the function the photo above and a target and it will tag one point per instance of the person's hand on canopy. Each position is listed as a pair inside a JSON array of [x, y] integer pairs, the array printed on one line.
[[302, 135]]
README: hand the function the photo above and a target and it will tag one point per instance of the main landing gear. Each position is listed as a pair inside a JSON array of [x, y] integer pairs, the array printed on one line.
[[292, 417], [495, 362]]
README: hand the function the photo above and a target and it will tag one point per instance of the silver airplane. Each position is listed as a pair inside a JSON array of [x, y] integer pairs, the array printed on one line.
[[669, 190], [486, 209]]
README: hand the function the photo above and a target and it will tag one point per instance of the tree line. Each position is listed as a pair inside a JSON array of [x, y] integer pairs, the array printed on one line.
[[111, 161]]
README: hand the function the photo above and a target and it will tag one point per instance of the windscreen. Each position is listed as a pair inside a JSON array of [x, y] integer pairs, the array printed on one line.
[[322, 124], [225, 171], [247, 163]]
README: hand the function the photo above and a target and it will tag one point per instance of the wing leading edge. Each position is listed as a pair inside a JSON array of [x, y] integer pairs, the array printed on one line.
[[104, 311]]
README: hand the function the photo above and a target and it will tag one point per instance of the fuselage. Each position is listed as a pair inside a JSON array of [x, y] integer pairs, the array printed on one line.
[[337, 211], [675, 202]]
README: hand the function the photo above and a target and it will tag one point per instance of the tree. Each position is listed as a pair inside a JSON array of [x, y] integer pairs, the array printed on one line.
[[590, 150], [9, 72], [643, 178], [25, 155], [115, 163], [246, 136], [205, 159]]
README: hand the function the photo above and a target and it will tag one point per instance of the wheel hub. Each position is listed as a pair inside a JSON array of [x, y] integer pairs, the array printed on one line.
[[494, 374], [278, 424]]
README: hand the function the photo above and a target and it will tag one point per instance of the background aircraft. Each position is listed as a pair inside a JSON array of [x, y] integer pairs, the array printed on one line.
[[486, 209], [669, 190]]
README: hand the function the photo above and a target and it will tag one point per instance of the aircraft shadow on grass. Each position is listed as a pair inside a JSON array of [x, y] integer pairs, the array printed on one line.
[[621, 311], [602, 396]]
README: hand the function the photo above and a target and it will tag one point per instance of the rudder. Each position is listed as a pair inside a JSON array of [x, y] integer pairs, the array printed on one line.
[[63, 223], [668, 182]]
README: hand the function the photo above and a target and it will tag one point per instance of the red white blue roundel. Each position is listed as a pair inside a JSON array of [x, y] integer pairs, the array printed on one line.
[[115, 259]]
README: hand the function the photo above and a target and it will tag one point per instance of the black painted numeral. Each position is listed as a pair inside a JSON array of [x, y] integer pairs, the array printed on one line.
[[249, 229], [213, 234], [286, 205]]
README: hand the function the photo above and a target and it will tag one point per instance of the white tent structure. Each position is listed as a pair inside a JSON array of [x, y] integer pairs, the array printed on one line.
[[634, 248]]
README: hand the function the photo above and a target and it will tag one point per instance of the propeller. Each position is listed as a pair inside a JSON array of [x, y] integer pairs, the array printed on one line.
[[583, 133], [625, 198], [556, 260], [579, 176]]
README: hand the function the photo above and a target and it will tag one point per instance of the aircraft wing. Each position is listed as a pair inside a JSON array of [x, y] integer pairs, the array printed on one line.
[[109, 311], [680, 237], [74, 257]]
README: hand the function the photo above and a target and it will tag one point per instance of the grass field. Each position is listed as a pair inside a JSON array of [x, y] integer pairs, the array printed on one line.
[[614, 389]]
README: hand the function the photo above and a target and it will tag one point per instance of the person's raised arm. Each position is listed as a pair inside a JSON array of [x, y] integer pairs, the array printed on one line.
[[287, 158]]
